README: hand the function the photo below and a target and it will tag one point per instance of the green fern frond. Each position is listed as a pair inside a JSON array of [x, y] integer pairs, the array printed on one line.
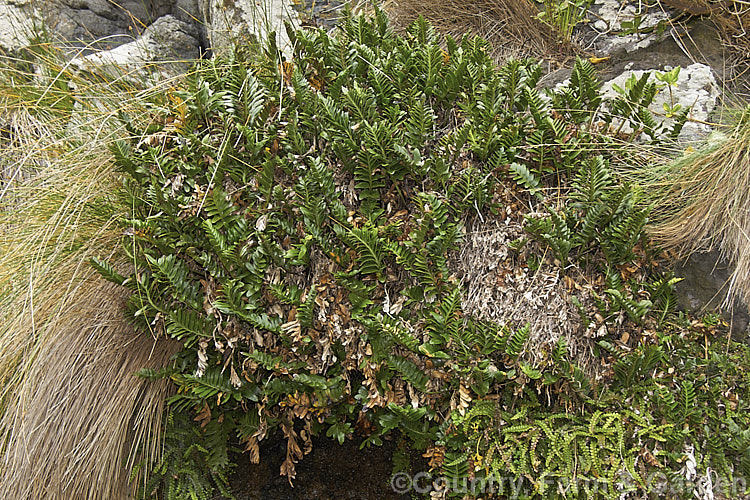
[[306, 310], [371, 251], [517, 341], [107, 271], [176, 274], [188, 326], [409, 370], [523, 177]]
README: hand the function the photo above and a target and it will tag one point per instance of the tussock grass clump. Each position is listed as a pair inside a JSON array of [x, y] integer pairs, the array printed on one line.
[[704, 203], [75, 418], [79, 399]]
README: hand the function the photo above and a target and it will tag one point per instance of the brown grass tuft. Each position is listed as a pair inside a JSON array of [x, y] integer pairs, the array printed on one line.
[[511, 26], [703, 204], [74, 417]]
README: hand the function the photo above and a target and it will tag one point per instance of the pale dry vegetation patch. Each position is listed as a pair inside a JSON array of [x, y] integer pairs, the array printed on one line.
[[518, 287], [511, 27], [68, 359], [703, 203]]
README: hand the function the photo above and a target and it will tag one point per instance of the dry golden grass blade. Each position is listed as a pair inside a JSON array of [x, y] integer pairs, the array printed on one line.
[[80, 411], [511, 26], [703, 204], [75, 418]]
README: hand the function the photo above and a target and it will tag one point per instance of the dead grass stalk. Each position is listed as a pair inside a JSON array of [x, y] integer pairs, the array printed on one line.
[[511, 26]]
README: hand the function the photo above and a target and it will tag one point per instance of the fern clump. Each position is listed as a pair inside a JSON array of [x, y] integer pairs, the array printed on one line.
[[291, 223]]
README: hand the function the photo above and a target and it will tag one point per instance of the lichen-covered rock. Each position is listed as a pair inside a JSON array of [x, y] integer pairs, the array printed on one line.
[[696, 90], [228, 20]]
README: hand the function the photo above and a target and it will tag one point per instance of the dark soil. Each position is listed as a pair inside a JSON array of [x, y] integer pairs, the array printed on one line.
[[330, 471]]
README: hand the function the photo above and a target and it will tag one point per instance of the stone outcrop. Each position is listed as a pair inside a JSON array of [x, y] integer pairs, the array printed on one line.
[[102, 24], [703, 288], [136, 32], [166, 40], [696, 90], [611, 23], [16, 24], [229, 20]]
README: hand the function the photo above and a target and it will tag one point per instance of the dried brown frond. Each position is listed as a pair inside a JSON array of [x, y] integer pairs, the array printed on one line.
[[511, 26], [703, 204]]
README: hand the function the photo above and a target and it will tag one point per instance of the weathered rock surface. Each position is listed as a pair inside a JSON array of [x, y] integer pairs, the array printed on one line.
[[704, 289], [167, 39], [610, 21], [16, 24], [228, 20], [136, 31], [102, 24], [695, 90]]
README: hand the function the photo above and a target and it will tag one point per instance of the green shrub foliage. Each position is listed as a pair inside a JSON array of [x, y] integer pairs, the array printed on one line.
[[291, 224]]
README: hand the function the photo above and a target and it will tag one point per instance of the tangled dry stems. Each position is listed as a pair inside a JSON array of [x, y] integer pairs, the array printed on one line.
[[733, 20], [511, 26]]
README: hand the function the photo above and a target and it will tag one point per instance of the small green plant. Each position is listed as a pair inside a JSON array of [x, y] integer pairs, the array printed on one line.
[[670, 80], [564, 15]]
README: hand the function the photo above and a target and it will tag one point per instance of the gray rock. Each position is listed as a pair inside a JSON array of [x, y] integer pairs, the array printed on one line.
[[102, 24], [187, 11], [166, 40], [696, 90], [16, 24], [228, 20], [98, 28], [704, 289], [606, 22]]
